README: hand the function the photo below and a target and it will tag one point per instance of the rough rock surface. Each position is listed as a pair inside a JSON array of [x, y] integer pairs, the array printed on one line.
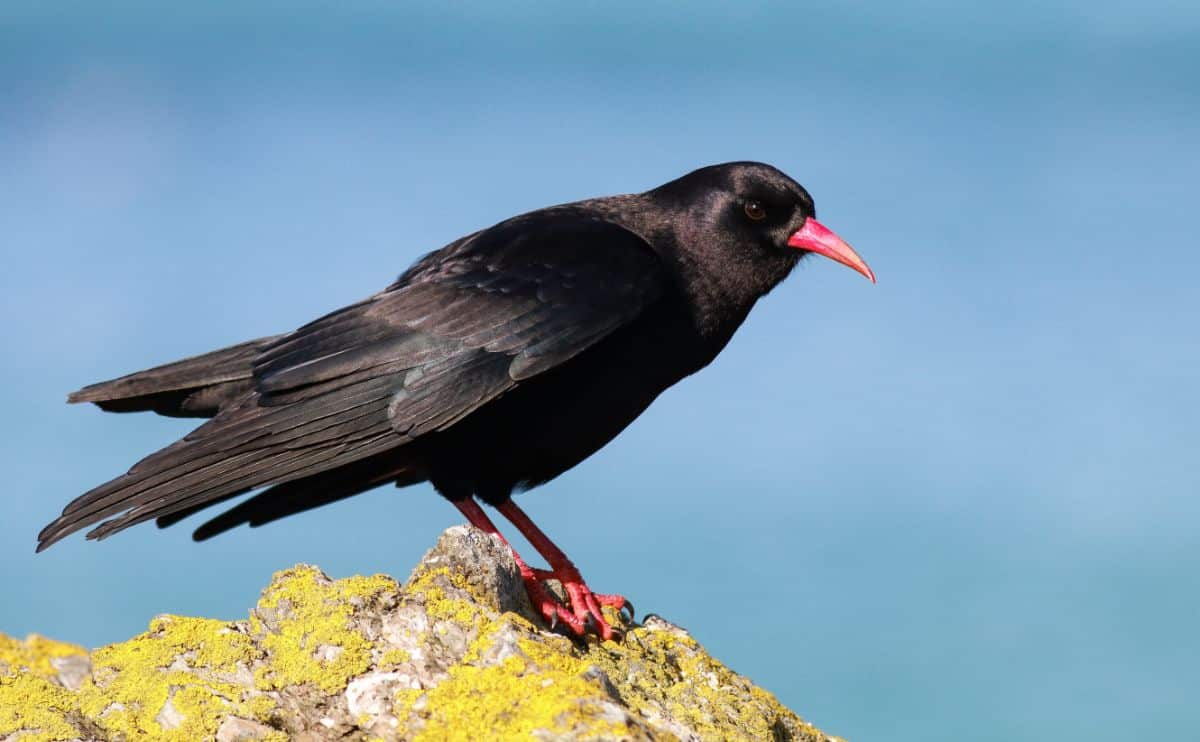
[[454, 654]]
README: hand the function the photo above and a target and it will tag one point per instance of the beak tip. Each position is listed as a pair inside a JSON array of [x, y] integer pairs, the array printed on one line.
[[816, 238]]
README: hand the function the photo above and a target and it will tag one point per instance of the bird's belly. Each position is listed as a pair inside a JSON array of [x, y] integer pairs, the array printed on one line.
[[548, 424]]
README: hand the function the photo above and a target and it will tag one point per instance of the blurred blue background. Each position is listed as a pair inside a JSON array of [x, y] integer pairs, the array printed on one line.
[[961, 504]]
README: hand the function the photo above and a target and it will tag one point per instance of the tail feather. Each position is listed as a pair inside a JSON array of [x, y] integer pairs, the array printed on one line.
[[304, 494], [193, 387], [292, 467], [245, 447]]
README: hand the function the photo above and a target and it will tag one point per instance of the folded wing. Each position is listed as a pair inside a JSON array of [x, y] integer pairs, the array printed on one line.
[[463, 326]]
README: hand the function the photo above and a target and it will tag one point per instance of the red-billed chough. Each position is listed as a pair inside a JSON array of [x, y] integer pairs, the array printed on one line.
[[491, 366]]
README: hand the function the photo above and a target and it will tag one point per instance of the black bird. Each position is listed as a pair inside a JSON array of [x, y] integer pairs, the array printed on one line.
[[491, 366]]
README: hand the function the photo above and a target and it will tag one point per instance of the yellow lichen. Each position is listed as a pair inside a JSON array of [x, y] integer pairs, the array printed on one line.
[[393, 658], [439, 606], [36, 708], [173, 682], [535, 689], [260, 707], [655, 670], [546, 686], [34, 655], [314, 642]]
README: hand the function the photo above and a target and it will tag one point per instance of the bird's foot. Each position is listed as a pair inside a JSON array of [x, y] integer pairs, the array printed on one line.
[[586, 612]]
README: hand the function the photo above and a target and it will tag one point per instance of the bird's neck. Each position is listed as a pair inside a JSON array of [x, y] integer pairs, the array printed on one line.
[[718, 301], [719, 284]]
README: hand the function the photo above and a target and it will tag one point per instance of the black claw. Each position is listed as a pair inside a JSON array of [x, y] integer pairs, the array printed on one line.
[[632, 614], [562, 628], [590, 625]]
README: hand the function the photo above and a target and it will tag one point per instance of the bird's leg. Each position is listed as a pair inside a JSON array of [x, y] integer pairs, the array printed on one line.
[[585, 603], [552, 611]]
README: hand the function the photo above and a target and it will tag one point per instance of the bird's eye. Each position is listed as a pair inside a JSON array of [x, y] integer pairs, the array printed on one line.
[[755, 210]]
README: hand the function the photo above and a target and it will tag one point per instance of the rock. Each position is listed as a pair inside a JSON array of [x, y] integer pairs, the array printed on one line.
[[455, 653], [237, 729]]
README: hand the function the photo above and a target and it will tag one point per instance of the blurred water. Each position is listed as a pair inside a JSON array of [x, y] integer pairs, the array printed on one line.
[[958, 505]]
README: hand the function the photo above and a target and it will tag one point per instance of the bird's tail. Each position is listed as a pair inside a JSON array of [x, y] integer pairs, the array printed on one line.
[[246, 446], [299, 495], [193, 387]]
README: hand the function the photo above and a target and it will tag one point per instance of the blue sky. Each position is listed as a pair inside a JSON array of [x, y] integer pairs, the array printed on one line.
[[958, 504]]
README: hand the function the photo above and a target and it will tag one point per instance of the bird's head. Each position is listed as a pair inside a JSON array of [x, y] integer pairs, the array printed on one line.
[[743, 213]]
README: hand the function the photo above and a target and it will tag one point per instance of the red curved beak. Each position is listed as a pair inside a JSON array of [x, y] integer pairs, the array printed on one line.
[[814, 237]]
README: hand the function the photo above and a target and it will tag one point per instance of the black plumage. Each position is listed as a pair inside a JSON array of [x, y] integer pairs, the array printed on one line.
[[491, 365]]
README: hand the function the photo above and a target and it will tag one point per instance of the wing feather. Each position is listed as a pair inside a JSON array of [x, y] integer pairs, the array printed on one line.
[[462, 327]]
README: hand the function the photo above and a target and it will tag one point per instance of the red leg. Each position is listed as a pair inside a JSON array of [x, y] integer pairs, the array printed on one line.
[[585, 603], [545, 603]]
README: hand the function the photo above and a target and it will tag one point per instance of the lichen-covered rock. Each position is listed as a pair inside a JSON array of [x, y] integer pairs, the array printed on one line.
[[454, 654]]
